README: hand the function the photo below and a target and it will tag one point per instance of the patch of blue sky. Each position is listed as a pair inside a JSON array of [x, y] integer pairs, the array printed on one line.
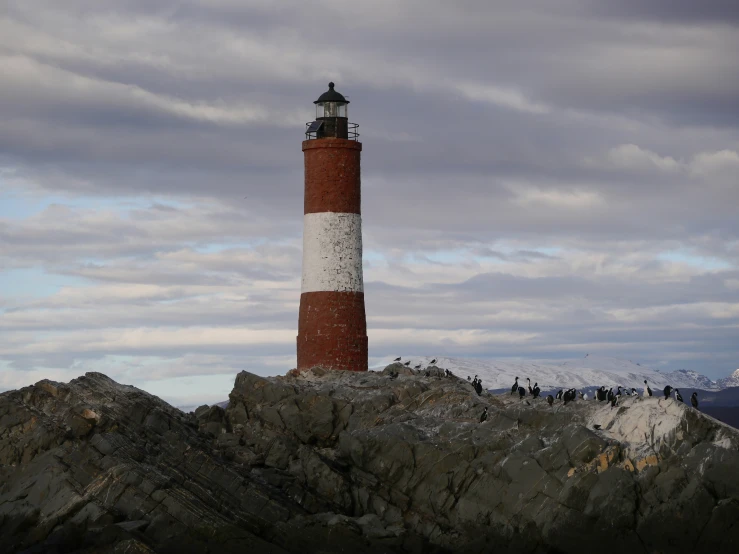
[[216, 247], [34, 283], [19, 204], [707, 263]]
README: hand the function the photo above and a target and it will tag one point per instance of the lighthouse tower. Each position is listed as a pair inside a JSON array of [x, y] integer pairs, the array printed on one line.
[[332, 327]]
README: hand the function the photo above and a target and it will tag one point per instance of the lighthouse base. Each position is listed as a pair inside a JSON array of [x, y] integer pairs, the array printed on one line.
[[332, 331]]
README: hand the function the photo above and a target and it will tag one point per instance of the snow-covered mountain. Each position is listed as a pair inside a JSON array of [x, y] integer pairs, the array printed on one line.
[[730, 381], [580, 373]]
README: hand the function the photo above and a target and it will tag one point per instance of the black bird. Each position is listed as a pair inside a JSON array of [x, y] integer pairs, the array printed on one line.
[[618, 392], [536, 391], [478, 387], [647, 390], [406, 364], [531, 391], [550, 399], [417, 367], [667, 391], [521, 392], [484, 415], [468, 377], [596, 426], [614, 399], [610, 395], [514, 388], [397, 359], [633, 392], [678, 396], [601, 394], [559, 394], [433, 361], [393, 376], [569, 396], [694, 400]]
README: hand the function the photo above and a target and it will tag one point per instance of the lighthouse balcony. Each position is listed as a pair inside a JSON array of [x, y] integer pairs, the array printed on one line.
[[331, 128]]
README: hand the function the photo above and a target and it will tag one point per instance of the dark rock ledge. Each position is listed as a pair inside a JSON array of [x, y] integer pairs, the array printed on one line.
[[360, 463]]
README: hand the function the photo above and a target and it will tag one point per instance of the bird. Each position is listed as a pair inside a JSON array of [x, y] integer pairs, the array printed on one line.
[[550, 399], [468, 377], [633, 392], [570, 395], [535, 392], [521, 392], [393, 376], [678, 396], [397, 359], [596, 426], [614, 399], [559, 394], [667, 390], [531, 391], [484, 415], [618, 392], [610, 396], [478, 387], [601, 394], [406, 364], [694, 400], [417, 367], [647, 390], [433, 361], [514, 388]]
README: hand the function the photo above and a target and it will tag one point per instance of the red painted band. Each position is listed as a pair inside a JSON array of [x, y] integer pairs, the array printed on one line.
[[332, 331], [332, 176]]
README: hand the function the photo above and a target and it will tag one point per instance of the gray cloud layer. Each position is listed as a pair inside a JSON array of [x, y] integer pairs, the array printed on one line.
[[540, 179]]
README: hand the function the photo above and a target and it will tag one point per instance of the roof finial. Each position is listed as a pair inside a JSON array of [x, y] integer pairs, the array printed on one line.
[[330, 85]]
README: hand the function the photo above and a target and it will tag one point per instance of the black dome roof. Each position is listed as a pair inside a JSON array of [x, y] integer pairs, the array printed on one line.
[[331, 96]]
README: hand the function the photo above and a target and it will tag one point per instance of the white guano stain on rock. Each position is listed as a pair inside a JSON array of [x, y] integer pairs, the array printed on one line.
[[332, 252]]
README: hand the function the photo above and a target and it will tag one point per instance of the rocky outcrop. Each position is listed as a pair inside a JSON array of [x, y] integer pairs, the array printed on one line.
[[324, 461]]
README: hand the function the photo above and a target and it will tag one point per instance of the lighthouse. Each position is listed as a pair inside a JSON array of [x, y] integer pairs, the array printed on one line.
[[332, 326]]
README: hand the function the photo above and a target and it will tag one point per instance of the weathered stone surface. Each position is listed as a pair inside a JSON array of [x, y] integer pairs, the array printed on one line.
[[324, 461]]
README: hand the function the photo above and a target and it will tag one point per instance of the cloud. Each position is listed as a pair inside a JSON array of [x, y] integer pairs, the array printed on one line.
[[539, 180]]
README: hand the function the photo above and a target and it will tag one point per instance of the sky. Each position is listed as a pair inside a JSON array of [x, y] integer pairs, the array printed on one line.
[[541, 180]]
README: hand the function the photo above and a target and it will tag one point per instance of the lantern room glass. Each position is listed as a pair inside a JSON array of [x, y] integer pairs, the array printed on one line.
[[331, 109]]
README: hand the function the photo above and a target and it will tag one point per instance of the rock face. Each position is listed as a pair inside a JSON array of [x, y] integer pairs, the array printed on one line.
[[324, 461]]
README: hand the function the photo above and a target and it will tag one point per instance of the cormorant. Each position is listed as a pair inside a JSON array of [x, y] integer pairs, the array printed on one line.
[[559, 394], [550, 399], [614, 399], [433, 361], [407, 363], [618, 392], [610, 396], [633, 392], [514, 388], [570, 395], [601, 394], [647, 390], [397, 359], [531, 391], [678, 396], [417, 367], [535, 392], [667, 390], [468, 377], [694, 400], [521, 392], [484, 415]]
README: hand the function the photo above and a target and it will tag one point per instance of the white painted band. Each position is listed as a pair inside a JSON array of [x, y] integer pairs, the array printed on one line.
[[332, 252]]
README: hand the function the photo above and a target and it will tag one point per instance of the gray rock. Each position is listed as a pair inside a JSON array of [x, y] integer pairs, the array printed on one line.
[[325, 461]]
